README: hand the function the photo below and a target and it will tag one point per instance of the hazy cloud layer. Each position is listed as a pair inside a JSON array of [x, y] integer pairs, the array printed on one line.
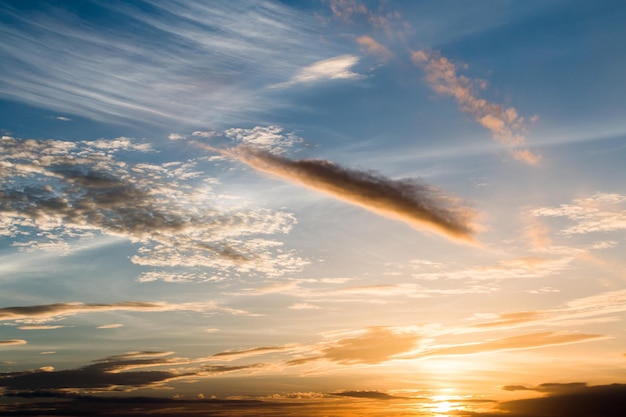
[[417, 204], [506, 126], [60, 190]]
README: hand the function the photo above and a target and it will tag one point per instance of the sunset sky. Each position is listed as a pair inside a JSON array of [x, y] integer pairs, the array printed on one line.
[[324, 208]]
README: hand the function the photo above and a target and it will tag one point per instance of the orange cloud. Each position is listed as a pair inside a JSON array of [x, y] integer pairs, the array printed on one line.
[[506, 126], [372, 47]]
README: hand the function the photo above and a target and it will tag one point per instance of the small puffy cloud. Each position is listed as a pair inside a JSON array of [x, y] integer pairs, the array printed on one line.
[[266, 138], [176, 136], [336, 68], [12, 342], [504, 123], [601, 212], [63, 118]]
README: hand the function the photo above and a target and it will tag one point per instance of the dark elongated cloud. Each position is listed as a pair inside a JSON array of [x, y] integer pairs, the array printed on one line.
[[571, 400], [375, 395], [113, 373], [47, 311], [417, 204]]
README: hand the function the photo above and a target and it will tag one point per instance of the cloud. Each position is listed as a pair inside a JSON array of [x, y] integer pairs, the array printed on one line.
[[570, 400], [506, 126], [525, 341], [63, 119], [73, 63], [371, 346], [114, 373], [49, 311], [601, 212], [38, 327], [515, 268], [266, 138], [417, 204], [372, 47], [238, 354], [375, 395], [12, 342], [110, 326], [60, 191], [336, 68], [354, 10], [585, 308]]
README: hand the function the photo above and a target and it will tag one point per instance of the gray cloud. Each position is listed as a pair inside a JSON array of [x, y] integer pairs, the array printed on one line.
[[63, 190], [113, 373], [420, 205]]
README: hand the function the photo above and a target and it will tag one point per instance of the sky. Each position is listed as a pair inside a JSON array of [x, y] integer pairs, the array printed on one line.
[[324, 208]]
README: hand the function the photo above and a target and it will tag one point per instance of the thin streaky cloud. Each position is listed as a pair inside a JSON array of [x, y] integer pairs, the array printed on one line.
[[519, 342], [48, 311], [39, 327], [417, 204], [505, 124], [12, 342], [110, 326]]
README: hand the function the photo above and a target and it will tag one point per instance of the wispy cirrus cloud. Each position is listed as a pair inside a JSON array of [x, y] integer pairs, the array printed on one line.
[[581, 309], [505, 124], [135, 68], [518, 342], [419, 205]]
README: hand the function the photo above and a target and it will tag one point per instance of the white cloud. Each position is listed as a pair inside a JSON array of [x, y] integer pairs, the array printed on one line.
[[81, 189], [602, 212], [335, 68]]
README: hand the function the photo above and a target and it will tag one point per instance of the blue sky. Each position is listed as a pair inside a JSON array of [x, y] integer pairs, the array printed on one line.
[[337, 205]]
